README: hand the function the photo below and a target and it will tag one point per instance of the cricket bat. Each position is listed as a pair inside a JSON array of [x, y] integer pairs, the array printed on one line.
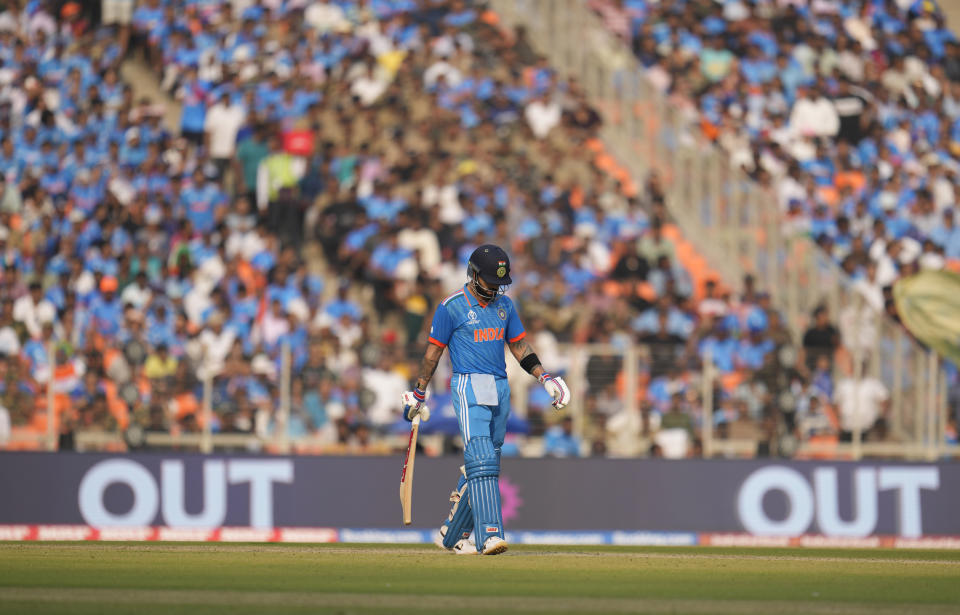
[[406, 478]]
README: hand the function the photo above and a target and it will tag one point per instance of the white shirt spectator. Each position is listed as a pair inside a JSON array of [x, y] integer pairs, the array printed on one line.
[[136, 295], [858, 327], [30, 313], [9, 342], [790, 189], [348, 332], [860, 30], [943, 195], [673, 443], [245, 244], [216, 347], [378, 43], [326, 16], [926, 222], [196, 302], [851, 65], [871, 291], [425, 241], [712, 306], [886, 270], [222, 123], [542, 116], [447, 199], [272, 326], [819, 7], [859, 402], [450, 74], [931, 261], [42, 21], [211, 271], [554, 359], [816, 117], [368, 89], [446, 45], [387, 386], [915, 68], [9, 22], [901, 138], [624, 434]]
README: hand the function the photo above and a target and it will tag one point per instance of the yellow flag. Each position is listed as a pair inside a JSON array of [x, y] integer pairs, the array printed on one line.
[[929, 306]]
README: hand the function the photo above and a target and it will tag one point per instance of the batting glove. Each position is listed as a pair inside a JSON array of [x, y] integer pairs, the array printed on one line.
[[414, 404], [557, 389]]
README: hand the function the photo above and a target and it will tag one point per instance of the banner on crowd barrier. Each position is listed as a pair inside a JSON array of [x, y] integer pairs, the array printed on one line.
[[603, 500]]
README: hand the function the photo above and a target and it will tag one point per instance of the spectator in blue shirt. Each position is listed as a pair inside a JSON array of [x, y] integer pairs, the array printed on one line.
[[559, 440], [193, 96], [943, 233], [107, 309], [753, 350], [201, 202], [757, 69], [342, 306], [721, 347]]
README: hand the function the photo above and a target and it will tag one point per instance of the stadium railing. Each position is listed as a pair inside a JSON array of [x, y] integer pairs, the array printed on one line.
[[610, 404], [732, 220]]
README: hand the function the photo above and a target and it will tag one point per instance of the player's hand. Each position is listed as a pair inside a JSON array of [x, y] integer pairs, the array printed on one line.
[[557, 389], [414, 404]]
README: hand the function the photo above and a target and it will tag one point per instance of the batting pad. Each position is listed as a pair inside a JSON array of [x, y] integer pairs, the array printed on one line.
[[460, 520], [483, 470]]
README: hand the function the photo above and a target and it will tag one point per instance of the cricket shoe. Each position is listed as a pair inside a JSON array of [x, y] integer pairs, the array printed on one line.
[[494, 546], [464, 546]]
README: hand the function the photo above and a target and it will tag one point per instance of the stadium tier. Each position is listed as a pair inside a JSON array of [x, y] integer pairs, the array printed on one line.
[[248, 257]]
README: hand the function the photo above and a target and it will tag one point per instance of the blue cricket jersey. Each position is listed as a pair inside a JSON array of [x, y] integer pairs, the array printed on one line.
[[476, 333]]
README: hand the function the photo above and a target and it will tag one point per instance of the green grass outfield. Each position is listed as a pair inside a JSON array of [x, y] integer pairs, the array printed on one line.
[[195, 578]]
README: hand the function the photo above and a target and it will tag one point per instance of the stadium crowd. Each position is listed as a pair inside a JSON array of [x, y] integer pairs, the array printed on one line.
[[335, 164], [849, 110]]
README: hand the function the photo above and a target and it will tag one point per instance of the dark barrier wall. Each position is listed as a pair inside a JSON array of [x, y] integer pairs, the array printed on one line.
[[763, 498]]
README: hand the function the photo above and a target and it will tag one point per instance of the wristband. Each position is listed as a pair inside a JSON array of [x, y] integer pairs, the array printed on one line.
[[419, 395], [529, 362]]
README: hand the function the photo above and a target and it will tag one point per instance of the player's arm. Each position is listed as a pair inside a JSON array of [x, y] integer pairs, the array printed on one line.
[[431, 358], [521, 350], [528, 359], [414, 402]]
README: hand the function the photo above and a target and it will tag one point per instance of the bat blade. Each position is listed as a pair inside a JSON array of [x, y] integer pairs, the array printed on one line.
[[406, 477]]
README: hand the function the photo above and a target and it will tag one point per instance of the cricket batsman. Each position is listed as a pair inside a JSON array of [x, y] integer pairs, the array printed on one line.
[[475, 323]]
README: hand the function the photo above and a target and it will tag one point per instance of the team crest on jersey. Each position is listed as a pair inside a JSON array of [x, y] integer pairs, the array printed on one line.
[[502, 313], [473, 318]]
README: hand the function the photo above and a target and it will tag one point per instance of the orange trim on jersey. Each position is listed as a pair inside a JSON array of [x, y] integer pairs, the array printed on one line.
[[436, 342], [519, 337]]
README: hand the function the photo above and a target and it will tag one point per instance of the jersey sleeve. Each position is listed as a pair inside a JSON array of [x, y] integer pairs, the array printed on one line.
[[441, 328], [515, 330]]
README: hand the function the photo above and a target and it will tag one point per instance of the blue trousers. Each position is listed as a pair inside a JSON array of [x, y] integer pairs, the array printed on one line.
[[480, 420], [483, 427]]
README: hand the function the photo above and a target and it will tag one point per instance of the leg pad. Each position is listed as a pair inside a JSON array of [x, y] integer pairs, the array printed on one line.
[[482, 469], [460, 520]]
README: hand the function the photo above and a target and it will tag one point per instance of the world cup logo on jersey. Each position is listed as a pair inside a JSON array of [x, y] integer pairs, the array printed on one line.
[[473, 318]]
